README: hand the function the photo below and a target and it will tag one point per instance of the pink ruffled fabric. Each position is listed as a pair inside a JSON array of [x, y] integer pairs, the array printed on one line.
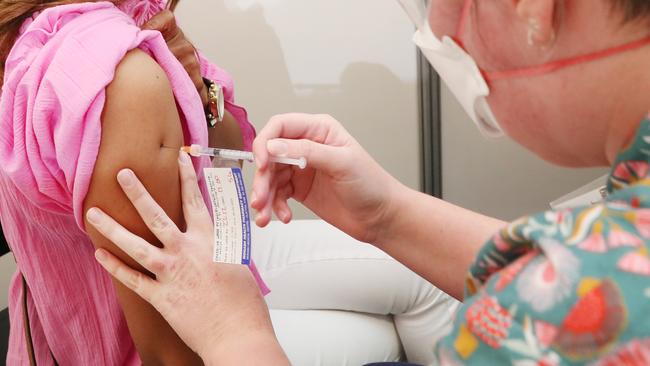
[[142, 10], [50, 130]]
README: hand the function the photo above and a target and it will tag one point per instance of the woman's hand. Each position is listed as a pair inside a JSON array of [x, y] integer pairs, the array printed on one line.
[[181, 47], [217, 309], [342, 183]]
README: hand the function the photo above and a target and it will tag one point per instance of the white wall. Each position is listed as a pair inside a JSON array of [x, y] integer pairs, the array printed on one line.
[[498, 177], [351, 59], [7, 269]]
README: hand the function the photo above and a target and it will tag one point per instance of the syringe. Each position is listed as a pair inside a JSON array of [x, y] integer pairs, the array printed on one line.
[[198, 150]]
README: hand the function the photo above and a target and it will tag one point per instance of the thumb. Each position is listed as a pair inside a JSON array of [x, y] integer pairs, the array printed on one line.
[[319, 156]]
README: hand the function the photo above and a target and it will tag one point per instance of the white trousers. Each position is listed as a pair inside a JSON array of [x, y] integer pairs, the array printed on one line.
[[337, 301]]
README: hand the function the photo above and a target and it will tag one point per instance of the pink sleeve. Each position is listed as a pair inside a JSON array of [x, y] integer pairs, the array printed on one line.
[[52, 101], [215, 73]]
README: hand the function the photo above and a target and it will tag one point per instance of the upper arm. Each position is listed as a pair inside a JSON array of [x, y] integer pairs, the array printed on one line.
[[141, 130]]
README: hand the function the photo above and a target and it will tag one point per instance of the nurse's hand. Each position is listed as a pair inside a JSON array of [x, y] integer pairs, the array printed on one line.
[[342, 184], [217, 309]]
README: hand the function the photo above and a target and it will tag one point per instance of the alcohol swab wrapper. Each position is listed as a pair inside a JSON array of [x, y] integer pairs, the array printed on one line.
[[198, 150]]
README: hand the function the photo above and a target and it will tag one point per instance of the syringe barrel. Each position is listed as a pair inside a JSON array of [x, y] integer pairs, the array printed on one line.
[[233, 154]]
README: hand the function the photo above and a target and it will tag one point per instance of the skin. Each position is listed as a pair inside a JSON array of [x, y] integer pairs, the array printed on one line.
[[226, 134], [601, 101], [186, 278], [578, 116], [132, 136]]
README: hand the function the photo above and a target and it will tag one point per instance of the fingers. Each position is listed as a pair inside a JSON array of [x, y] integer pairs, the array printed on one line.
[[165, 23], [145, 254], [152, 214], [186, 55], [266, 187], [264, 208], [280, 205], [134, 280], [293, 126], [194, 209], [319, 156]]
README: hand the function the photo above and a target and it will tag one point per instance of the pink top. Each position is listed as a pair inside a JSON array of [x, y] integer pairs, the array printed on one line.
[[50, 129]]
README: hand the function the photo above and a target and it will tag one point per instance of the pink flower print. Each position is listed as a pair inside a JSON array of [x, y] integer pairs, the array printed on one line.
[[594, 243], [508, 274], [546, 332], [621, 172], [629, 172], [549, 278], [500, 243], [142, 10], [642, 222], [638, 168], [594, 323], [633, 353], [620, 238], [489, 321], [635, 262]]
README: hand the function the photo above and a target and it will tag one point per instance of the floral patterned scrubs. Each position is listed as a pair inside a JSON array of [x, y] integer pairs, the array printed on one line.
[[565, 287]]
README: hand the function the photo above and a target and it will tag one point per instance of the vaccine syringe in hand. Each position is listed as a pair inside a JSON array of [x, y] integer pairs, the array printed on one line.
[[198, 150]]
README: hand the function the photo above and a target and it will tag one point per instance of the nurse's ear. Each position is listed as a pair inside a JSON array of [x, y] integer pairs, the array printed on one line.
[[540, 17]]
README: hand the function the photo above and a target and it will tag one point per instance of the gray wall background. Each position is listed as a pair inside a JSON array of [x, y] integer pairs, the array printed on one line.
[[320, 56], [496, 176]]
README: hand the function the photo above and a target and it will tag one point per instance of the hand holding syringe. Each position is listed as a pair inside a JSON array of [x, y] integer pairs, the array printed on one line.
[[198, 150]]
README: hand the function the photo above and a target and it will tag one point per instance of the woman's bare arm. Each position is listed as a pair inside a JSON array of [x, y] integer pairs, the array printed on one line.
[[226, 134], [139, 121]]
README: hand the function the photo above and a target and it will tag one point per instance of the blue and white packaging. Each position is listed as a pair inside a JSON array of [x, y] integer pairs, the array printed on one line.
[[232, 227]]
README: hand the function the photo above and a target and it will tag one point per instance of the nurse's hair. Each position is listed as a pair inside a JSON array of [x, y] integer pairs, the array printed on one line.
[[14, 12]]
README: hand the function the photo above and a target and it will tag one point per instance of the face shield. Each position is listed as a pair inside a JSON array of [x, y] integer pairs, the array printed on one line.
[[453, 64]]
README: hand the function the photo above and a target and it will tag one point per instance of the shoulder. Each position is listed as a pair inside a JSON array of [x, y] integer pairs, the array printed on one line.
[[139, 85], [141, 130], [140, 117]]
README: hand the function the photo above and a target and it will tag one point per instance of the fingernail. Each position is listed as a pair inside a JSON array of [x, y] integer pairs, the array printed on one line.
[[100, 255], [253, 198], [126, 178], [94, 216], [284, 216], [277, 148], [184, 158]]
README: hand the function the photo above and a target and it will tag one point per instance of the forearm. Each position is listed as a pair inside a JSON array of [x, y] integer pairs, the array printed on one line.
[[434, 238], [226, 134], [252, 349]]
